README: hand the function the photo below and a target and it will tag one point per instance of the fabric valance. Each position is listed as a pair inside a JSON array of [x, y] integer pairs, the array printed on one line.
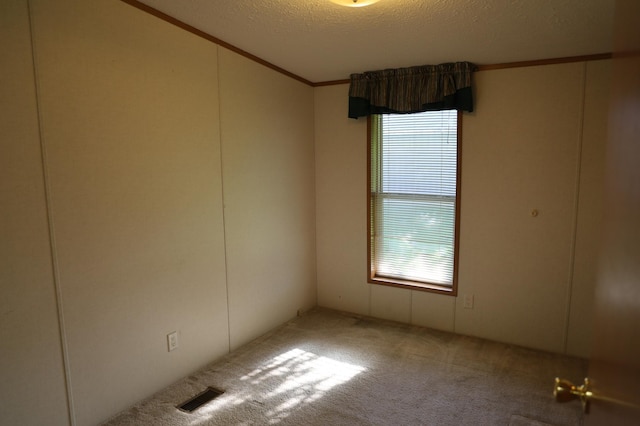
[[413, 89]]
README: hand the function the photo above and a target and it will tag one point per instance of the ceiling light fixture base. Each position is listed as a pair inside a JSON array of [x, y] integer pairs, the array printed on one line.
[[354, 3]]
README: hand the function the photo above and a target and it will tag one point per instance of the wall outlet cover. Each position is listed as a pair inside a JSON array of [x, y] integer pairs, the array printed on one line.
[[468, 301], [172, 341]]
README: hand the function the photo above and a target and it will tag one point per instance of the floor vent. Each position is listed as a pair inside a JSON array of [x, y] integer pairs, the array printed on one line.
[[199, 400]]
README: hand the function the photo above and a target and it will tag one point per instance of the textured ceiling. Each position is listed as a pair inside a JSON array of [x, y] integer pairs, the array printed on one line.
[[321, 41]]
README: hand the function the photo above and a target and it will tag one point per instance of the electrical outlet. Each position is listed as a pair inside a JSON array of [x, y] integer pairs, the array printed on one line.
[[468, 301], [172, 341]]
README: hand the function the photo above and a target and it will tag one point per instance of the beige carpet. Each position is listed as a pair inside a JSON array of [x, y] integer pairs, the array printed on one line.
[[330, 368]]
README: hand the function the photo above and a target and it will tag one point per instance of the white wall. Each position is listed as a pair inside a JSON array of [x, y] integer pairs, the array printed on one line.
[[522, 150], [146, 136], [268, 169]]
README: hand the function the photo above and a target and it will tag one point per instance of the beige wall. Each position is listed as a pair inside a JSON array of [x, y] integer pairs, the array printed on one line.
[[32, 382], [156, 182], [268, 169], [129, 123], [146, 133], [532, 143], [590, 208]]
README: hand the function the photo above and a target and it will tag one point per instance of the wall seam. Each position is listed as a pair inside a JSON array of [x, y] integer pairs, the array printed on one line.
[[454, 313], [576, 203], [224, 221], [411, 307], [315, 198], [52, 235]]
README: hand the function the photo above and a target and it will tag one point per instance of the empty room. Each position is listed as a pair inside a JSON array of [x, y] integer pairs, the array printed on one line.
[[356, 212]]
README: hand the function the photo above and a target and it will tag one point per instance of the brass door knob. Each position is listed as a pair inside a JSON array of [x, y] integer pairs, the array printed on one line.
[[565, 391]]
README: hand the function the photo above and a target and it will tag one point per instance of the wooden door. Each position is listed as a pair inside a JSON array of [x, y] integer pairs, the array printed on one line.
[[615, 364]]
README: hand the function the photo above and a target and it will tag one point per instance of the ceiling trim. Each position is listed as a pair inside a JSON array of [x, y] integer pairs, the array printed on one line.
[[521, 64], [178, 23], [564, 60], [332, 82], [171, 20]]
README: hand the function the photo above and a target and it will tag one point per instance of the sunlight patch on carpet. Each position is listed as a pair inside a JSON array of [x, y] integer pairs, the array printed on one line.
[[308, 378], [288, 381]]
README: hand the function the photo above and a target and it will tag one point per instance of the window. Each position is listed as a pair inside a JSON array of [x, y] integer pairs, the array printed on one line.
[[413, 200]]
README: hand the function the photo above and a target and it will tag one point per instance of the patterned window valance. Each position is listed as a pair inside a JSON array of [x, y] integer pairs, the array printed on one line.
[[414, 89]]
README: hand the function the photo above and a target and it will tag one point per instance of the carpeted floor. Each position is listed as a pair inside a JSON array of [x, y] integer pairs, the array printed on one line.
[[331, 368]]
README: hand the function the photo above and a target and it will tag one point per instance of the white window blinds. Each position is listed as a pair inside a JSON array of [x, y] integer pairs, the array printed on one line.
[[413, 196]]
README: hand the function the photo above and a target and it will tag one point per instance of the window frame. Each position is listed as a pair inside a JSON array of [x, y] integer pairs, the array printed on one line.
[[372, 278]]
